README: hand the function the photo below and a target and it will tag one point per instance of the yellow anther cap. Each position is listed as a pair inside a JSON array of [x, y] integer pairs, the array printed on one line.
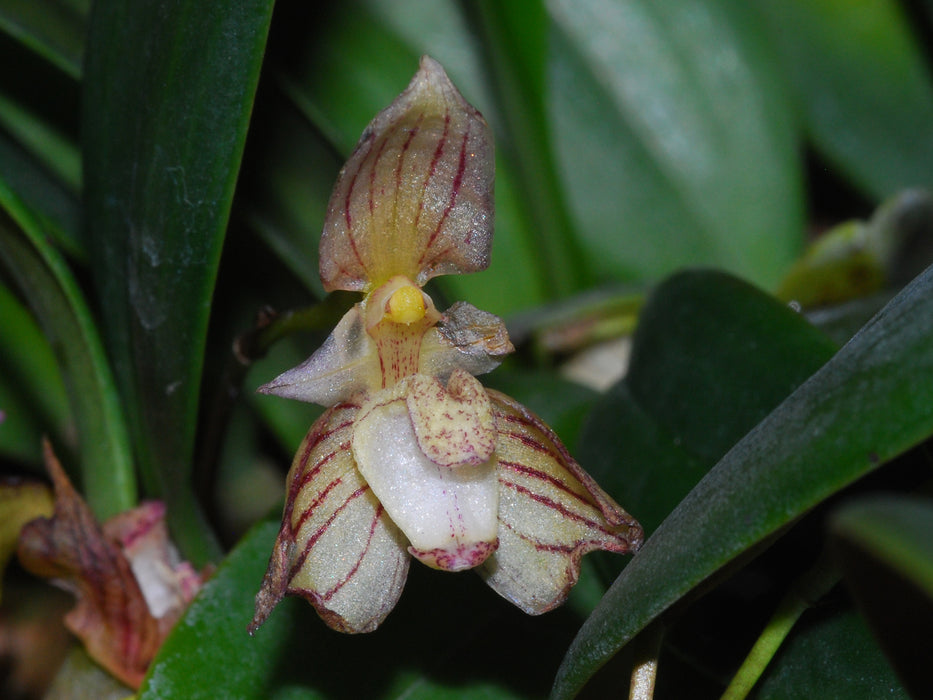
[[406, 305]]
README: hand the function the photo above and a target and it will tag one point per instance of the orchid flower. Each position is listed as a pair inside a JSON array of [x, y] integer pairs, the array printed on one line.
[[414, 457]]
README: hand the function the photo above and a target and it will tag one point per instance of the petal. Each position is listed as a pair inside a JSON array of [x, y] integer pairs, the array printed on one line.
[[551, 513], [111, 616], [447, 513], [337, 548], [415, 198], [466, 338], [453, 425], [167, 583], [344, 365]]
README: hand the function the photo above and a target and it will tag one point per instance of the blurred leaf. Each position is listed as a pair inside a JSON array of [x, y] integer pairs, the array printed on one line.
[[53, 149], [212, 635], [44, 280], [862, 86], [32, 397], [887, 558], [52, 28], [869, 403], [516, 35], [712, 356], [675, 140], [831, 654], [169, 90], [52, 202]]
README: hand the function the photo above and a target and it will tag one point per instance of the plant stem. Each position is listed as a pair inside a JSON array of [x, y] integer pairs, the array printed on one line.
[[645, 665], [811, 586]]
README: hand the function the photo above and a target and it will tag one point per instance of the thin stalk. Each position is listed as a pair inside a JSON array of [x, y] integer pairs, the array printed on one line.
[[811, 586]]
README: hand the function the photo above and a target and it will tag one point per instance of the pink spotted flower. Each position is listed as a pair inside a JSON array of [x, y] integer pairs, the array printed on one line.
[[414, 457]]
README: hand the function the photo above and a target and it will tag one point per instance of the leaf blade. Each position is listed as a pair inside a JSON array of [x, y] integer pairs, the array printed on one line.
[[860, 410]]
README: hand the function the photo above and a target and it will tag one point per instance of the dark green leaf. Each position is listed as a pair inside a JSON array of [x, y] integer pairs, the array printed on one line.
[[51, 200], [675, 140], [52, 28], [43, 279], [871, 402], [712, 356], [887, 557], [862, 85], [169, 90]]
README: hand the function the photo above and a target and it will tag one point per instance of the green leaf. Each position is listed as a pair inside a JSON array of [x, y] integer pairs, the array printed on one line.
[[830, 654], [675, 141], [887, 558], [168, 92], [43, 279], [212, 635], [711, 357], [515, 37], [53, 203], [862, 85], [33, 400], [52, 28], [872, 401]]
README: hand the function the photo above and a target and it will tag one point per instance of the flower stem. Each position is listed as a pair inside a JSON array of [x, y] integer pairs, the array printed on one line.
[[811, 586], [645, 665]]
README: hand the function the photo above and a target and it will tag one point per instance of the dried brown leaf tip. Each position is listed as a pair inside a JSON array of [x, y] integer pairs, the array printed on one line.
[[415, 458], [129, 582]]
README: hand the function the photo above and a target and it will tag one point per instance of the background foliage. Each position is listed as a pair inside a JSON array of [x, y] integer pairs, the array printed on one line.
[[164, 171]]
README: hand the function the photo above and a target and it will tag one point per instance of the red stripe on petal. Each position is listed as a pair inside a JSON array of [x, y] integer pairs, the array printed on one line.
[[309, 545], [554, 505], [543, 476], [359, 560]]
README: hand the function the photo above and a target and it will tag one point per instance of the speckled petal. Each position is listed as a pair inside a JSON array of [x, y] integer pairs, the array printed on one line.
[[415, 197], [337, 547], [448, 513], [466, 338], [551, 513], [453, 425]]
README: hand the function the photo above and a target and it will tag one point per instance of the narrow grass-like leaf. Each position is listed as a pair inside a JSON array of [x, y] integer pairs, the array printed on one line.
[[33, 400], [52, 28], [516, 37], [52, 201], [107, 474], [871, 402], [169, 89]]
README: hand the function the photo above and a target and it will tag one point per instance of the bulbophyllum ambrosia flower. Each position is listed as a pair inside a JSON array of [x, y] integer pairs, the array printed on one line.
[[414, 457]]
